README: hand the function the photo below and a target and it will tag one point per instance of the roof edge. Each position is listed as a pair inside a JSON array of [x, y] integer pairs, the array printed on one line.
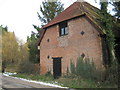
[[99, 29], [38, 43], [44, 27]]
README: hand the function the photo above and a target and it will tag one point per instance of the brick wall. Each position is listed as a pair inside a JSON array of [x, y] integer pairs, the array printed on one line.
[[70, 46]]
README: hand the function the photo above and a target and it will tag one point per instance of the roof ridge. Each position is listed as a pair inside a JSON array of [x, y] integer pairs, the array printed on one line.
[[78, 8], [83, 7]]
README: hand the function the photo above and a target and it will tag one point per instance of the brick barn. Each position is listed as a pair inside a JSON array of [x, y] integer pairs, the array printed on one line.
[[74, 32]]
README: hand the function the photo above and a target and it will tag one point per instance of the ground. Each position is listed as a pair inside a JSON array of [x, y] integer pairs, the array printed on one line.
[[13, 82]]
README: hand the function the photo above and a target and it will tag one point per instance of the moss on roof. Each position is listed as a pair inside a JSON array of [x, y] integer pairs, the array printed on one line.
[[77, 9]]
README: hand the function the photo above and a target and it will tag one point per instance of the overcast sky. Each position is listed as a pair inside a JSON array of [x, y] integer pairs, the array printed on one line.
[[19, 15]]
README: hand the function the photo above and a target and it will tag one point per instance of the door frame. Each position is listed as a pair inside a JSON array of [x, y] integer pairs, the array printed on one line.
[[57, 75]]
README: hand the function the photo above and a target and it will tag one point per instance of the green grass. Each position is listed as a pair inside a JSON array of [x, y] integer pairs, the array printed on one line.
[[68, 81], [76, 83], [35, 77], [83, 83]]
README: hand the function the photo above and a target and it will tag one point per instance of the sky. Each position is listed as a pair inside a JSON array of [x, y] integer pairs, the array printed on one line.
[[20, 15]]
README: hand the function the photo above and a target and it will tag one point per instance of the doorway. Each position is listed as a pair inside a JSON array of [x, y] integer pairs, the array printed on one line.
[[57, 67]]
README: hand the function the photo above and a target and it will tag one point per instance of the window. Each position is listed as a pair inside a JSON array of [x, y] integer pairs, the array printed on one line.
[[66, 30], [63, 28], [62, 31]]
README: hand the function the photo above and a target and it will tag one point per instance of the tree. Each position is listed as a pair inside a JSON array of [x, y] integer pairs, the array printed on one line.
[[49, 10], [104, 6], [13, 51], [34, 52], [107, 23], [3, 29], [39, 31], [9, 48], [23, 52], [117, 9], [0, 48]]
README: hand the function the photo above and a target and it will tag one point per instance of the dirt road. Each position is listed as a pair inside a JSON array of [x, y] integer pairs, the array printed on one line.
[[9, 82]]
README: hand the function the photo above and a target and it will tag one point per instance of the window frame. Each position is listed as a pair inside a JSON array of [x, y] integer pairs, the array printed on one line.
[[62, 28]]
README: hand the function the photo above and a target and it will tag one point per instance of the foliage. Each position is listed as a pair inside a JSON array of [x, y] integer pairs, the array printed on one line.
[[86, 69], [48, 74], [23, 54], [9, 48], [67, 71], [72, 67], [104, 7], [39, 31], [116, 9], [107, 22], [12, 68], [26, 67], [67, 82], [3, 29], [78, 83], [35, 77], [13, 50], [32, 45], [113, 74], [49, 10], [33, 50]]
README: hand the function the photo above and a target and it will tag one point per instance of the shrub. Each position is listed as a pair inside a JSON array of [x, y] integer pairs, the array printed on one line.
[[113, 74], [72, 67], [85, 69], [67, 71], [28, 68], [80, 68], [48, 74]]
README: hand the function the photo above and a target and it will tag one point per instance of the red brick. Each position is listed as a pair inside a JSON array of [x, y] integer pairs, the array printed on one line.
[[70, 46]]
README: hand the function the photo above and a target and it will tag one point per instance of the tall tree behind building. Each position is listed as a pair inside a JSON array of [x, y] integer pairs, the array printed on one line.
[[107, 23], [33, 51], [107, 20], [117, 9], [49, 9]]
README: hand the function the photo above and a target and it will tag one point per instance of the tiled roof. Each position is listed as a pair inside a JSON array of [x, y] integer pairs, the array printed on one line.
[[75, 10], [72, 11]]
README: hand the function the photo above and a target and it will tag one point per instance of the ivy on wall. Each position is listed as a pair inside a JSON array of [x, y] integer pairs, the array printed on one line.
[[107, 23]]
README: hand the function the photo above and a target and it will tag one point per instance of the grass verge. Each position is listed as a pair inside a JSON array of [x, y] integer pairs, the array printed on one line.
[[35, 77], [67, 81]]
